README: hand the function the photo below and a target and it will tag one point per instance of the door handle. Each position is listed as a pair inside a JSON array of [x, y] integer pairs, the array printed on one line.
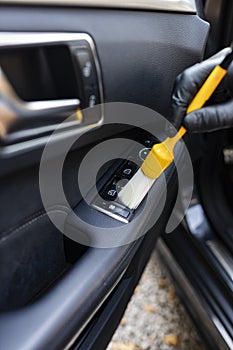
[[13, 108]]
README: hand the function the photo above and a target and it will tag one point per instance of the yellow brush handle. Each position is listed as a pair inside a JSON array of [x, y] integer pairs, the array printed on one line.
[[203, 95], [207, 89], [163, 153]]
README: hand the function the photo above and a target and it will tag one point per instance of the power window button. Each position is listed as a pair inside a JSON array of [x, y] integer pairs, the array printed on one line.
[[109, 193], [128, 170]]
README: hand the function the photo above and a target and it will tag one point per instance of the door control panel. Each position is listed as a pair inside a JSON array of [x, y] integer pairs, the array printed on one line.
[[107, 201]]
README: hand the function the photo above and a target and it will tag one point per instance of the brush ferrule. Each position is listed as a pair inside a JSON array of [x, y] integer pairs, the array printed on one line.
[[157, 161]]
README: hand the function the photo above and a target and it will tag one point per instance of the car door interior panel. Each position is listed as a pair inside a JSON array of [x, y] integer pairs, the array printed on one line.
[[53, 288]]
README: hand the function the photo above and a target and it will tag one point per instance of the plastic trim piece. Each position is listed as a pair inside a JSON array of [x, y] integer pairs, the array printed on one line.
[[152, 5], [43, 321], [222, 255]]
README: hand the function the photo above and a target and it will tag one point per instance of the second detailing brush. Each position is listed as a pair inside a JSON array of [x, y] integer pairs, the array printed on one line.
[[162, 154]]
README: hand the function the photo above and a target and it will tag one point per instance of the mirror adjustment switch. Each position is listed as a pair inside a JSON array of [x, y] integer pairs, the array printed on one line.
[[119, 183]]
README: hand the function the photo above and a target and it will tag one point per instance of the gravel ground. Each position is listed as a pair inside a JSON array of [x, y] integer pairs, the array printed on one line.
[[155, 318]]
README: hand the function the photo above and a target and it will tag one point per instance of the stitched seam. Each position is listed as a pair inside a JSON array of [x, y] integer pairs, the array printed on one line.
[[30, 217], [22, 226]]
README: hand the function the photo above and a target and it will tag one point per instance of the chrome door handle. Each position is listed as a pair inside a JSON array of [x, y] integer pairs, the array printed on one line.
[[41, 108], [13, 108]]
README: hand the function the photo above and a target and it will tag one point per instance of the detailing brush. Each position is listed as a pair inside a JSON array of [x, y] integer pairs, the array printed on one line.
[[162, 154]]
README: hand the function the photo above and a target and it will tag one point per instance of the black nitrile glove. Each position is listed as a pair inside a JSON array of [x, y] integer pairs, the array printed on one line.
[[187, 84]]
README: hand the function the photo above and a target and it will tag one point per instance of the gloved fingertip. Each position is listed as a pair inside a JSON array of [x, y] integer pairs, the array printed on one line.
[[192, 122]]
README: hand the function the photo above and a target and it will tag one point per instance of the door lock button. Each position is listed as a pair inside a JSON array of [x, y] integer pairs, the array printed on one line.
[[86, 67]]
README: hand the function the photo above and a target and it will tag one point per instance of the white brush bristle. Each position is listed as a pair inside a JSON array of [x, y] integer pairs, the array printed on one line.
[[135, 190]]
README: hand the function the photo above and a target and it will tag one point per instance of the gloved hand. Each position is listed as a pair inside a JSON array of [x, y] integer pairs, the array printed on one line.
[[187, 84]]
